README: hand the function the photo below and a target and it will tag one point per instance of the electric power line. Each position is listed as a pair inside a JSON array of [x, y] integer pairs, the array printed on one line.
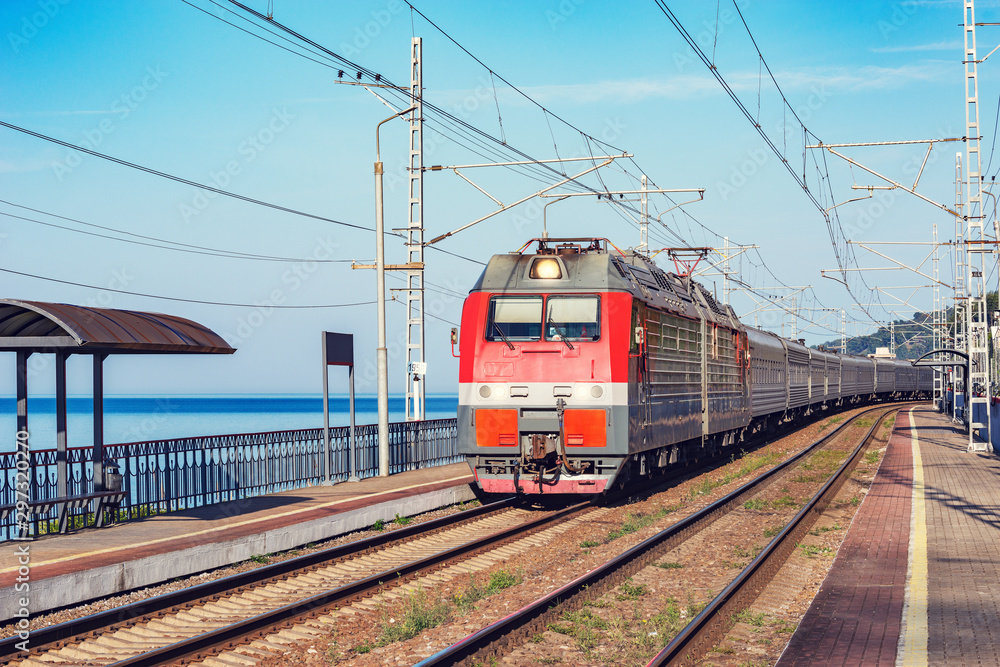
[[173, 298]]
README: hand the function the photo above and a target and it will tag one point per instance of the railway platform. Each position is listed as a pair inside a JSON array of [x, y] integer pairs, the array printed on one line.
[[915, 580], [76, 567]]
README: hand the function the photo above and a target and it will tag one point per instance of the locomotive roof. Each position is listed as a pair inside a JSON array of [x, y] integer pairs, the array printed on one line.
[[593, 268]]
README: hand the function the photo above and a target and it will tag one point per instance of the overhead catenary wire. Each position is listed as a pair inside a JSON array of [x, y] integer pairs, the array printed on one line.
[[429, 108], [252, 200], [179, 179], [465, 126], [832, 221], [545, 111], [284, 209], [154, 242], [479, 137], [331, 60], [175, 298], [390, 87]]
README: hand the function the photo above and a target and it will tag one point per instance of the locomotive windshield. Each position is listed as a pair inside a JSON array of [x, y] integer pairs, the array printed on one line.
[[514, 318], [567, 318], [572, 318]]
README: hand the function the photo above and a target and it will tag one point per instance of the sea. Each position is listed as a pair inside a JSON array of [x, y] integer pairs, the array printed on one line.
[[141, 418]]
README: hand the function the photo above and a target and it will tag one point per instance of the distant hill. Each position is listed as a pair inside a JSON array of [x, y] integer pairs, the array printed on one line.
[[912, 339]]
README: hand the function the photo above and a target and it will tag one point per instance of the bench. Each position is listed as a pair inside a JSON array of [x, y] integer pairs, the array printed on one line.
[[105, 500]]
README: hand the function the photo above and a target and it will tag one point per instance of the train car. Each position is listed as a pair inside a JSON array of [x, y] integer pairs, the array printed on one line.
[[925, 381], [850, 376], [769, 393], [582, 368], [865, 390], [797, 357], [834, 370], [885, 377], [824, 378], [906, 379]]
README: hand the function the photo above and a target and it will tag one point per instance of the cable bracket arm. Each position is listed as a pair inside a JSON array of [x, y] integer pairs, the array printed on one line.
[[586, 171]]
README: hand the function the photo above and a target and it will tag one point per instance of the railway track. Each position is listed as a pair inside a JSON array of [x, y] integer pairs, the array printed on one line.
[[261, 613], [258, 613], [708, 626]]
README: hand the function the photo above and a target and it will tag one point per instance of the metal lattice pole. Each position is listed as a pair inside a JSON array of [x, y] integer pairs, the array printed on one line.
[[725, 274], [644, 223], [975, 249], [936, 321], [415, 361], [960, 295]]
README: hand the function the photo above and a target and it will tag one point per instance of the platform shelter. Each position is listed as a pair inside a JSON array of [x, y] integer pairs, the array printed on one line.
[[34, 327]]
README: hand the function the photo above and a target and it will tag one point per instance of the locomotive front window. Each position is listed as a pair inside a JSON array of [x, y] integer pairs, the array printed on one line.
[[573, 318], [514, 318]]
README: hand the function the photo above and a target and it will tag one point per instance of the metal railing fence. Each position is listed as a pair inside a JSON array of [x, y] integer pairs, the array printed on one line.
[[182, 473]]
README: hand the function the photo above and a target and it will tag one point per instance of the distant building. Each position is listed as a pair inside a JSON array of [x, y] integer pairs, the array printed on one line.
[[882, 353]]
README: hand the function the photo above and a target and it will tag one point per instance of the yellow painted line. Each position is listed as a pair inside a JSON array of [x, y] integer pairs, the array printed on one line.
[[912, 648], [173, 538]]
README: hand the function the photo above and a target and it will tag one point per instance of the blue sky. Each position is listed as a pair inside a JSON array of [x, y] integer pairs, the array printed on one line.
[[167, 86]]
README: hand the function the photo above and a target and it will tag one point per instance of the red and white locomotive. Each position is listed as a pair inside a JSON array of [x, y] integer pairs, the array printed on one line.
[[582, 367]]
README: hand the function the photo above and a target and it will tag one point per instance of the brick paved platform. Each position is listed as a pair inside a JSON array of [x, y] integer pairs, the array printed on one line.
[[68, 569], [916, 581]]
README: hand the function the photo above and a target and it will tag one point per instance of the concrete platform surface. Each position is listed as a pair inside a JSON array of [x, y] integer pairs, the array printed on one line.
[[73, 568], [916, 580]]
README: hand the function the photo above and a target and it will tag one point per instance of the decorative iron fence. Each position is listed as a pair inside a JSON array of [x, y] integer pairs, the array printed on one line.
[[169, 475]]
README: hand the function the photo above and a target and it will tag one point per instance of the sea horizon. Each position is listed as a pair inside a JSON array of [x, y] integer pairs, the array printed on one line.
[[144, 417]]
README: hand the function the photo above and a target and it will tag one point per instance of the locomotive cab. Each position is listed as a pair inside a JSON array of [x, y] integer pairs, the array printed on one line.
[[536, 408]]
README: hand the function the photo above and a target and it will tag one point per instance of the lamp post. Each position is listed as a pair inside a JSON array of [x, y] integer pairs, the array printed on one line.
[[382, 360]]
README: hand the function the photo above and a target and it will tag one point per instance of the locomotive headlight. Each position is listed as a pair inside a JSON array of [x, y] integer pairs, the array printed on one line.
[[485, 391], [584, 391], [545, 268], [500, 391]]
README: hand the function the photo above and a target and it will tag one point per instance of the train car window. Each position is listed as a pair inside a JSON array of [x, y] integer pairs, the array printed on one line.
[[514, 318], [573, 318]]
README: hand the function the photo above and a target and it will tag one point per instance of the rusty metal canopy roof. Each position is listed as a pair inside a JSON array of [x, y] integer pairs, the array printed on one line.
[[58, 327]]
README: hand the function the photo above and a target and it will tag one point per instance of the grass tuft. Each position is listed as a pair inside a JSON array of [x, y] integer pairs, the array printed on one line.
[[420, 612], [630, 591], [669, 565], [748, 465]]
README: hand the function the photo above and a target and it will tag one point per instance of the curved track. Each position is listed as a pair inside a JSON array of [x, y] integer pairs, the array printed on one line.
[[501, 637], [256, 614]]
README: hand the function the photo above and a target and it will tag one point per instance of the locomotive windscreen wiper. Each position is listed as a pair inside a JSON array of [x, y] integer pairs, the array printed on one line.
[[502, 335], [562, 336]]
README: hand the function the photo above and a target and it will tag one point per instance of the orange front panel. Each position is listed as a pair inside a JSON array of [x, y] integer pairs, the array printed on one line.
[[496, 428], [585, 428]]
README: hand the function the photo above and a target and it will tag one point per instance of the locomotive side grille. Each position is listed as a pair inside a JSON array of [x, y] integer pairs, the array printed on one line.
[[621, 269]]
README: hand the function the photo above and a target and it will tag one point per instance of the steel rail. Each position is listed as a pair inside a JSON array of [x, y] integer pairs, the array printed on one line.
[[110, 620], [229, 636], [132, 613], [710, 626], [514, 629]]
